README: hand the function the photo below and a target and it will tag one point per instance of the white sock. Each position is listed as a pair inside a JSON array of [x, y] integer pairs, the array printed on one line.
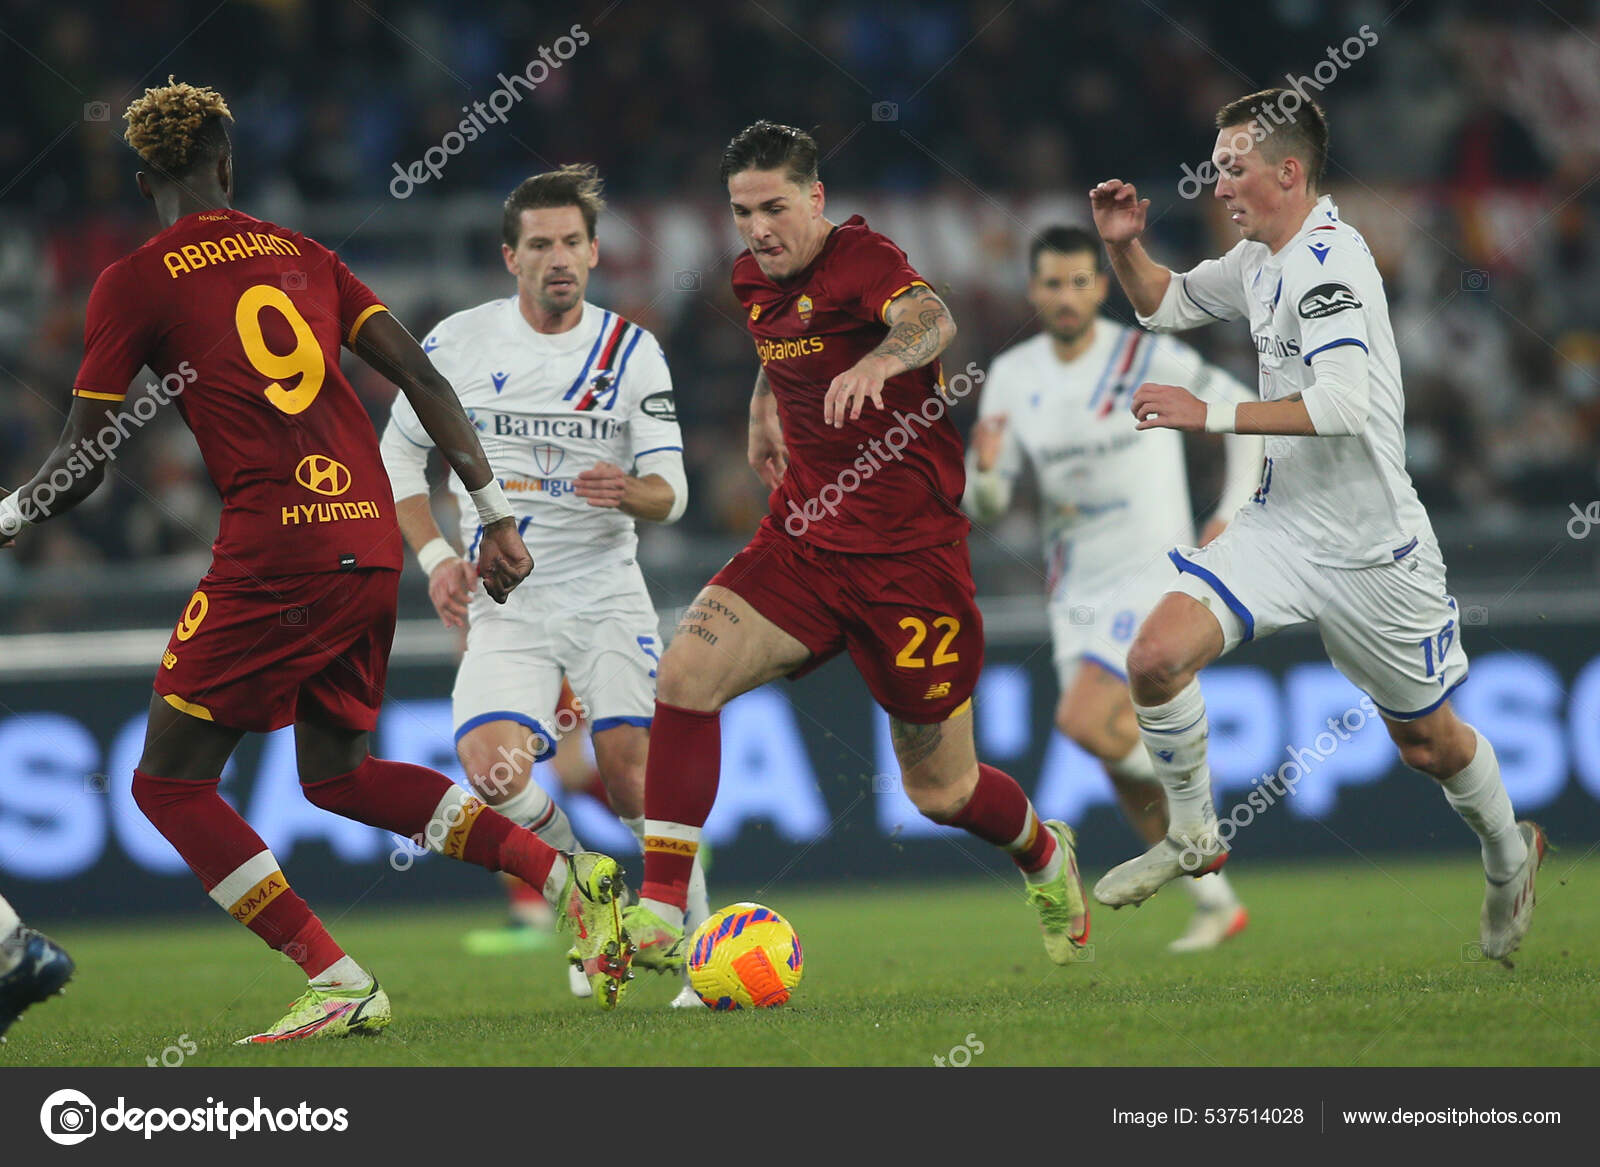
[[699, 908], [1211, 893], [531, 805], [636, 825], [1136, 766], [1175, 734], [9, 923], [343, 973], [671, 913], [1479, 797]]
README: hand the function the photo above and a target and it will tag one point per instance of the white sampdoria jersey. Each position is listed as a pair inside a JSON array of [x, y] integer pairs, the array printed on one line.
[[1341, 501], [1113, 497], [548, 407]]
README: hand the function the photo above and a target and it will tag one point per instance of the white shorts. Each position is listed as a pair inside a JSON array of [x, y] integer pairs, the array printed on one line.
[[599, 630], [1392, 629], [1096, 624]]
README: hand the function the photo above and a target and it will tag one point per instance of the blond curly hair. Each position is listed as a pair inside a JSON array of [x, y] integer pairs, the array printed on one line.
[[178, 126]]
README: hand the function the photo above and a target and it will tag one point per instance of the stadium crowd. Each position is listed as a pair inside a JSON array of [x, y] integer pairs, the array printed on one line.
[[1480, 202]]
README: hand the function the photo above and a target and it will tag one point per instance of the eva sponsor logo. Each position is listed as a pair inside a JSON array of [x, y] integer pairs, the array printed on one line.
[[1326, 300]]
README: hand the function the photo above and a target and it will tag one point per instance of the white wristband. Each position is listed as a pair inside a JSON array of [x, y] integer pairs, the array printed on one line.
[[491, 503], [1221, 419], [11, 520], [433, 553]]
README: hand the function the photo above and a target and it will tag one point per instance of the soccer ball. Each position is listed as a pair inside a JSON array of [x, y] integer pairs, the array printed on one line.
[[744, 955]]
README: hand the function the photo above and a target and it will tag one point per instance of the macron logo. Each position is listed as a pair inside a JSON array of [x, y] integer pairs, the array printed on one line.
[[499, 380], [1164, 755]]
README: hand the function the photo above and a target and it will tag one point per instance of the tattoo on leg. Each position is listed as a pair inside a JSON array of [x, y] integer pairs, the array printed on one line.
[[913, 743], [700, 631], [721, 609]]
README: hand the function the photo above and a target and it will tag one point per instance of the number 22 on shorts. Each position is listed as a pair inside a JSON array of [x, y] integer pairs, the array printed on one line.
[[907, 657]]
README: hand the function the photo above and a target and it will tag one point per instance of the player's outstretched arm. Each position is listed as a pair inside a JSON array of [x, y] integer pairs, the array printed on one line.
[[386, 346], [920, 328], [1119, 216], [77, 455]]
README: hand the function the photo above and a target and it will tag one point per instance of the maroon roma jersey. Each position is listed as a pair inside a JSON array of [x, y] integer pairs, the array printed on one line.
[[244, 319], [891, 481]]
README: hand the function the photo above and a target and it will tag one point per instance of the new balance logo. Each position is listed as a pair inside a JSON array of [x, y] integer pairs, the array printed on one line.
[[937, 690]]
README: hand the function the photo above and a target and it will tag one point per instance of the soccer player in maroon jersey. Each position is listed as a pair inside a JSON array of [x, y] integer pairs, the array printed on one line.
[[864, 550], [294, 620]]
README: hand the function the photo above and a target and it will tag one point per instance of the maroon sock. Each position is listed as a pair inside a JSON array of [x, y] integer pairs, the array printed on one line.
[[410, 801], [999, 812], [235, 867], [680, 786]]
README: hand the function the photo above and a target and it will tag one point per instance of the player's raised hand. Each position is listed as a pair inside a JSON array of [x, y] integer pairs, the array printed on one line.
[[503, 560], [1119, 212], [988, 439], [849, 392], [450, 588], [1168, 407], [603, 484]]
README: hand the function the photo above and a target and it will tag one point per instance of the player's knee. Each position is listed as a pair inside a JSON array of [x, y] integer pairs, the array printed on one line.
[[1155, 667], [685, 682], [494, 774]]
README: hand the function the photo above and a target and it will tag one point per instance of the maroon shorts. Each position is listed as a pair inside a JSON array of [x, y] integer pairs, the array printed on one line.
[[910, 621], [260, 654]]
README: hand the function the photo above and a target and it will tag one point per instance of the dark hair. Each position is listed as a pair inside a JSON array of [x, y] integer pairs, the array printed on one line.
[[570, 186], [1064, 241], [178, 128], [767, 145], [1301, 131]]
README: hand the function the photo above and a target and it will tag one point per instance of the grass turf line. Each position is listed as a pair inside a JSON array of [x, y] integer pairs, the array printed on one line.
[[1359, 964]]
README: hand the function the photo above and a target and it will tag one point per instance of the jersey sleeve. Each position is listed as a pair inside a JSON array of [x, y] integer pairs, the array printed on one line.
[[357, 303], [117, 336], [874, 272], [1329, 293], [1210, 291], [652, 410]]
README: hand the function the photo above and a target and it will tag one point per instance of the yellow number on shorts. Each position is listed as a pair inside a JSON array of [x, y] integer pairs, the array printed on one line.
[[192, 615], [908, 658], [305, 360]]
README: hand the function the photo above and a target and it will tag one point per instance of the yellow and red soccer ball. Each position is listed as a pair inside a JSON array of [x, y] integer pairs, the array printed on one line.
[[745, 956]]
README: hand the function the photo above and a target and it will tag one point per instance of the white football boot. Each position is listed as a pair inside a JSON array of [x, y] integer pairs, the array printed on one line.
[[1508, 906]]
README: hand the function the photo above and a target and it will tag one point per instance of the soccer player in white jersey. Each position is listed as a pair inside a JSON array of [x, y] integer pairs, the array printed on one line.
[[1334, 534], [575, 408], [1114, 501]]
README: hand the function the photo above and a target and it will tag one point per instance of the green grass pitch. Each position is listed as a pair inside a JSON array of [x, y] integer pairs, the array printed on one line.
[[1366, 963]]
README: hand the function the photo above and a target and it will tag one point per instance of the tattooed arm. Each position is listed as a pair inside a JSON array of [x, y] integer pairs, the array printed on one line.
[[920, 328]]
